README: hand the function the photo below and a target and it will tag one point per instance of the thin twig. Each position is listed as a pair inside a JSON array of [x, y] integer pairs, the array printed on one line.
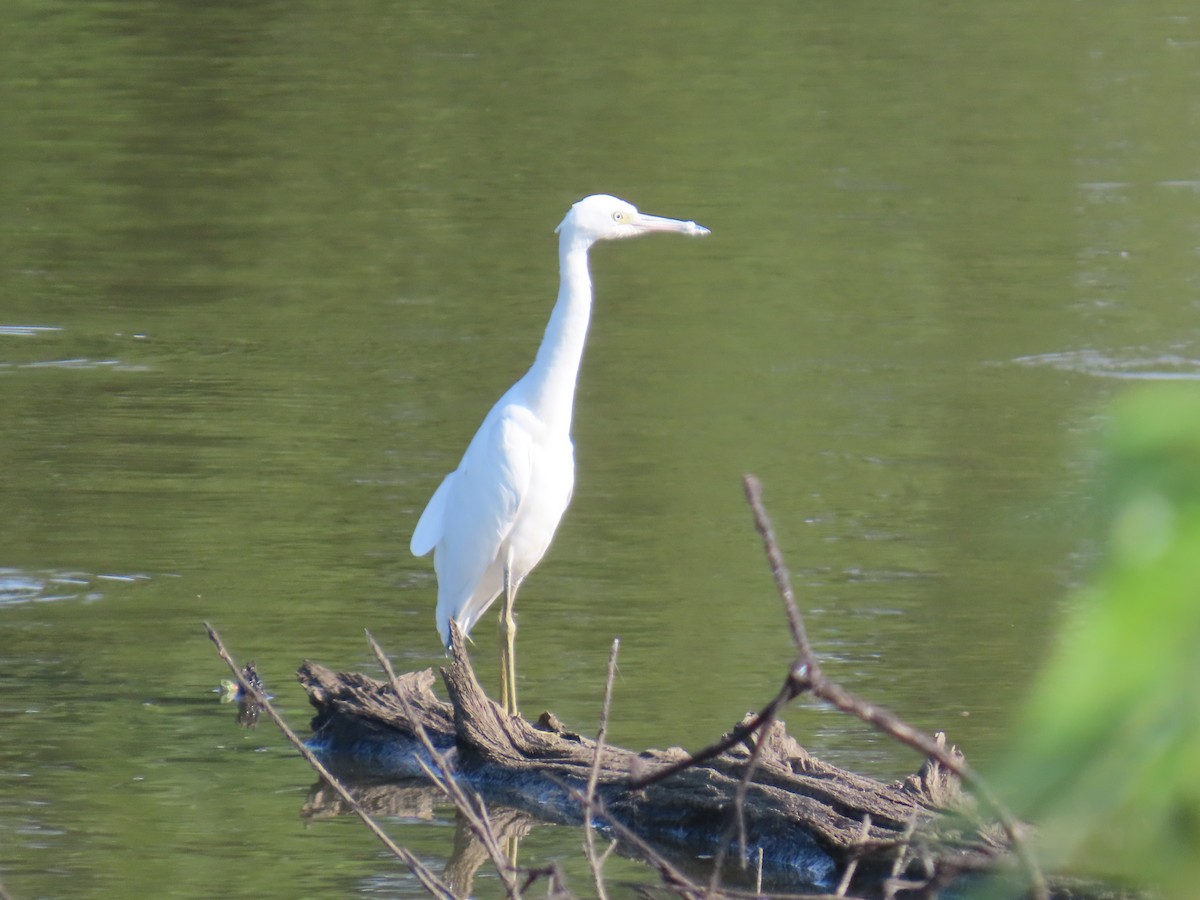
[[589, 841], [852, 866], [442, 775], [478, 820], [902, 847], [429, 881], [893, 884], [806, 675], [386, 663], [672, 878], [779, 570], [737, 736], [738, 818]]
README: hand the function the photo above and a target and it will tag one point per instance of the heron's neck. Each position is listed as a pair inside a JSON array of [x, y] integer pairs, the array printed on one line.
[[553, 375]]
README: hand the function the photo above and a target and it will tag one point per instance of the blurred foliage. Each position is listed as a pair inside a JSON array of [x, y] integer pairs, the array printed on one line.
[[1109, 754]]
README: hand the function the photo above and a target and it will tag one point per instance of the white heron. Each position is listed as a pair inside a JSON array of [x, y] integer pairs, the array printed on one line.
[[491, 519]]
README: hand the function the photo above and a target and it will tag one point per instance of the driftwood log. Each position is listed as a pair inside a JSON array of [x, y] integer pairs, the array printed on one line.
[[752, 808], [800, 821]]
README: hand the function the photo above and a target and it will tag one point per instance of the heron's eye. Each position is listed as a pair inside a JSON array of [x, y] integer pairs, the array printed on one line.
[[618, 216]]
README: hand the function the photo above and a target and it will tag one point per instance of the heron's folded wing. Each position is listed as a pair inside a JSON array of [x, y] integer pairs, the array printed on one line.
[[429, 527], [490, 484]]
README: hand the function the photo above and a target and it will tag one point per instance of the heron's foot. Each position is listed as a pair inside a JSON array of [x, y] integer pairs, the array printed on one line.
[[510, 706]]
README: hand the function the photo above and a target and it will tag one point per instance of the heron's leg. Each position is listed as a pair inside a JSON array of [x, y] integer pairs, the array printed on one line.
[[508, 636], [512, 843]]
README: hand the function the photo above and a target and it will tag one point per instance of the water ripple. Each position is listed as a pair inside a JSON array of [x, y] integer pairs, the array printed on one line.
[[1164, 367], [26, 330], [81, 362], [17, 586]]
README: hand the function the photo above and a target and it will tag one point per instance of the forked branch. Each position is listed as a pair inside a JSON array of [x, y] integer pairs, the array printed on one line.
[[807, 676]]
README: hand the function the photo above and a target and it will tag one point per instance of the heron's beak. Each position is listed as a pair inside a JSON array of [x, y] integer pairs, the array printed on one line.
[[647, 224]]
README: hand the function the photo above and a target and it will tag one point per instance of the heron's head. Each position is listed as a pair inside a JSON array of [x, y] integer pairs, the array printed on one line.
[[602, 217]]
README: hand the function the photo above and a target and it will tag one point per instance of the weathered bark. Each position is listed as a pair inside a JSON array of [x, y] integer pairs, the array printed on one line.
[[806, 817]]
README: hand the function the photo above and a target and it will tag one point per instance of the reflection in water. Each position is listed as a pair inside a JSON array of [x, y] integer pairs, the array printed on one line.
[[248, 709], [422, 802]]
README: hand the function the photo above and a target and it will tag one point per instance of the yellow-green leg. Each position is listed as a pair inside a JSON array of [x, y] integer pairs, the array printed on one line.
[[508, 639]]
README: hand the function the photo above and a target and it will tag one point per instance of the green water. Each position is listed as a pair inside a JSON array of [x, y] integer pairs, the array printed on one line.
[[264, 267]]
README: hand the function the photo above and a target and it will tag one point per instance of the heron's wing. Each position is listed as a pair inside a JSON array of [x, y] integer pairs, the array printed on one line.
[[481, 506], [429, 527]]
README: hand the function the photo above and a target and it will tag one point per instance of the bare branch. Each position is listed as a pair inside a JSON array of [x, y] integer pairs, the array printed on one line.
[[779, 571], [589, 840], [737, 736], [551, 753], [902, 847], [852, 866], [475, 815], [672, 878], [738, 820], [806, 674], [383, 661], [434, 885]]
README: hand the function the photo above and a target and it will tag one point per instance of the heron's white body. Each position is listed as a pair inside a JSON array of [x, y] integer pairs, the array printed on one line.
[[521, 452], [500, 508]]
